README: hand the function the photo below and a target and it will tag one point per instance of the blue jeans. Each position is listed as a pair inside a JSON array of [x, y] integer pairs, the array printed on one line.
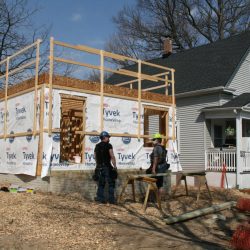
[[105, 178]]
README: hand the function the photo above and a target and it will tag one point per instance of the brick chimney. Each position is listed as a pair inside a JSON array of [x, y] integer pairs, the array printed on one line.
[[167, 48]]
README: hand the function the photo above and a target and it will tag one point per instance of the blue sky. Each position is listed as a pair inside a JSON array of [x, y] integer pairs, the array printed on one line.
[[79, 21]]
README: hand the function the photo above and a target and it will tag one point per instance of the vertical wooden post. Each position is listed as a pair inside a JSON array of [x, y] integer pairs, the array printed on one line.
[[173, 104], [167, 115], [102, 87], [167, 129], [166, 83], [139, 100], [6, 96], [83, 130], [41, 124], [51, 67], [36, 84]]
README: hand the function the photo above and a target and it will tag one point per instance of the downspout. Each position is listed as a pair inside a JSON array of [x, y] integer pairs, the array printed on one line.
[[238, 147]]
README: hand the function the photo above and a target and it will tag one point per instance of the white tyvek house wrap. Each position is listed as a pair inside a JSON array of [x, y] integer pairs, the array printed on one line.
[[56, 114], [120, 116], [2, 118], [19, 155], [21, 113], [173, 155]]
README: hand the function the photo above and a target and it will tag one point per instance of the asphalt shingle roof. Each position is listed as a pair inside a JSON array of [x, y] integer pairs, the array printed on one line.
[[203, 67], [237, 102]]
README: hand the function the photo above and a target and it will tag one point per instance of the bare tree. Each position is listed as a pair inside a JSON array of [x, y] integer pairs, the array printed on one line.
[[17, 31], [95, 76], [142, 29]]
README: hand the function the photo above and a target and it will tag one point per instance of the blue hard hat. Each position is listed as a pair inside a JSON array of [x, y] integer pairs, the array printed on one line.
[[104, 134]]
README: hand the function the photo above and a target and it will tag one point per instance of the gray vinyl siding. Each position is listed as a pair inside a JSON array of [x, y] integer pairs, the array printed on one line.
[[241, 79], [194, 134]]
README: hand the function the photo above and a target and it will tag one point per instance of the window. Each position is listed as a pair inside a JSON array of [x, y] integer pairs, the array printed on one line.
[[218, 136], [71, 121], [245, 128], [154, 122]]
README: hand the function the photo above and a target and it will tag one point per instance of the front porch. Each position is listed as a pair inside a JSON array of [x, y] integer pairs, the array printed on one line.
[[228, 145]]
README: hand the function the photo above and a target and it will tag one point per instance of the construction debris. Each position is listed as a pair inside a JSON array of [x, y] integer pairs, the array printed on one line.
[[200, 212]]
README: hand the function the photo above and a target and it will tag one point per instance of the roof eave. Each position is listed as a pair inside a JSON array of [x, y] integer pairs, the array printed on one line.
[[206, 91]]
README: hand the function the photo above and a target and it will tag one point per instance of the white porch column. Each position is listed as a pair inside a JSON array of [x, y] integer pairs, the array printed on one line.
[[239, 148]]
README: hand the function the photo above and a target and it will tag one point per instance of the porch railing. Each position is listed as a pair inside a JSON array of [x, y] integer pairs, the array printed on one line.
[[215, 160], [246, 161]]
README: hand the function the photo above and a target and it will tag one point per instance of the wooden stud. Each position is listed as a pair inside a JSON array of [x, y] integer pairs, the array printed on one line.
[[166, 83], [6, 96], [18, 134], [114, 134], [102, 88], [51, 66], [19, 68], [156, 65], [21, 93], [139, 99], [156, 108], [36, 85], [19, 52], [173, 105], [83, 130], [155, 87], [167, 129], [110, 95], [41, 125], [134, 81], [58, 59]]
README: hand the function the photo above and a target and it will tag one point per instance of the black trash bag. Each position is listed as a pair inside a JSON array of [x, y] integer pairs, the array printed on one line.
[[149, 170], [97, 174], [113, 173]]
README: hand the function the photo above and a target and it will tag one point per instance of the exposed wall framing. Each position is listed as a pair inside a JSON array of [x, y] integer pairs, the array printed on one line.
[[52, 81]]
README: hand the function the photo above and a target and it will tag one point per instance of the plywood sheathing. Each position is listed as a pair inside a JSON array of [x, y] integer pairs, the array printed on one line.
[[78, 84]]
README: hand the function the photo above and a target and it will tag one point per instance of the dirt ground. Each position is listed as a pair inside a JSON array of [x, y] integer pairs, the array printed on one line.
[[48, 221]]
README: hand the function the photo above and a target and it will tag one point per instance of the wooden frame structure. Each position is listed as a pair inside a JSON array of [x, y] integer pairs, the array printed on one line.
[[160, 77], [50, 84]]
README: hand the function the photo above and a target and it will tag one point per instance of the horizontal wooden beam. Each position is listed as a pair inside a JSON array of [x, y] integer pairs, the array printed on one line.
[[58, 59], [155, 87], [22, 50], [200, 212], [119, 135], [19, 68], [110, 95], [155, 65], [19, 134], [136, 80]]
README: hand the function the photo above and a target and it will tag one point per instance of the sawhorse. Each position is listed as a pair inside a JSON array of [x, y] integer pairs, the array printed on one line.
[[201, 177], [151, 187]]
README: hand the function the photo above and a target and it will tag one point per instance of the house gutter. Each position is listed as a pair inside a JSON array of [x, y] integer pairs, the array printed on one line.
[[218, 109], [206, 91], [227, 108]]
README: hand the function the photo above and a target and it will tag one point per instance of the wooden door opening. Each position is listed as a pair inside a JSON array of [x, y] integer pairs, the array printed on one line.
[[154, 122], [72, 118]]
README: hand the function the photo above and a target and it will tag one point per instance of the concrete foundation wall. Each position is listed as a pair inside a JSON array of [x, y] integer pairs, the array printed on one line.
[[26, 181], [81, 181], [78, 182]]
